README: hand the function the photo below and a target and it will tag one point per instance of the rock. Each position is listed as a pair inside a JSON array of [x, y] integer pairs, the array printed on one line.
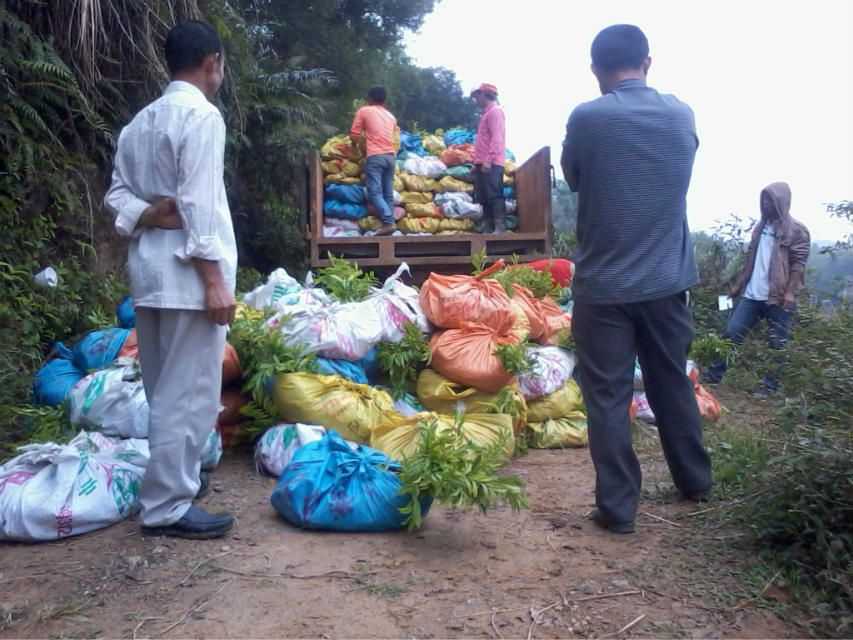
[[588, 588], [623, 585]]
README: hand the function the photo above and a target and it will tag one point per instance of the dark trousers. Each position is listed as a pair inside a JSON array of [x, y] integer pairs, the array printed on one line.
[[746, 315], [488, 186], [608, 338]]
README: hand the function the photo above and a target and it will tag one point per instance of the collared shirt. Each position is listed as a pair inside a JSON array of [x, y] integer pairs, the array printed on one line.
[[174, 147], [490, 146], [758, 287], [629, 156], [378, 125]]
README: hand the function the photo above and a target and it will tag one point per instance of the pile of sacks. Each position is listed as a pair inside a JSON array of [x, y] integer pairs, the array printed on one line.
[[709, 406], [433, 186]]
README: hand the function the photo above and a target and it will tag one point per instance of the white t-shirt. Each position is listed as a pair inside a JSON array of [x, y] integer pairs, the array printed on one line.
[[759, 284]]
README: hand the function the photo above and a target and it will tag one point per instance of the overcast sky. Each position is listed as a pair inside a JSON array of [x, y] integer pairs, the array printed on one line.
[[770, 83]]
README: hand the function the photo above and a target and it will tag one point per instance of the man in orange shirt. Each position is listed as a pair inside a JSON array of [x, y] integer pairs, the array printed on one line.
[[374, 130]]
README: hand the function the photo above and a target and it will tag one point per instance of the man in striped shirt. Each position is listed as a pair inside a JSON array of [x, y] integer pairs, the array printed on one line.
[[629, 156]]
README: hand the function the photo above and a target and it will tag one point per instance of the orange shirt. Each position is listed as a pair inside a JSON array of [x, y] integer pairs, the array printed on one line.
[[378, 125]]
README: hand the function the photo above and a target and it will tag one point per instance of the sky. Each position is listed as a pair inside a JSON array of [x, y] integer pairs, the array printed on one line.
[[771, 84]]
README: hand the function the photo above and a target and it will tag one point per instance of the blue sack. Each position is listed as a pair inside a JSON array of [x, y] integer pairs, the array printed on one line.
[[99, 349], [459, 136], [352, 193], [412, 143], [344, 368], [509, 155], [54, 381], [509, 193], [345, 210], [370, 363], [329, 486], [126, 314]]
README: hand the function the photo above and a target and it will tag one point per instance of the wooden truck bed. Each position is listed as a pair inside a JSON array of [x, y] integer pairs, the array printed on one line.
[[448, 253]]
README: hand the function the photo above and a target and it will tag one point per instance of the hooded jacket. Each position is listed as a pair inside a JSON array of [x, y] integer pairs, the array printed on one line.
[[789, 257]]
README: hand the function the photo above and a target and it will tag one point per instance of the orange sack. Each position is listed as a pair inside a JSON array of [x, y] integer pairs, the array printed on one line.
[[231, 371], [556, 320], [450, 302], [709, 406], [130, 348], [458, 154], [467, 355], [547, 319]]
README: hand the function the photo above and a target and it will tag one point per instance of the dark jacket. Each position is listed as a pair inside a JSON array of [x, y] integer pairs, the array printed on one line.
[[788, 261]]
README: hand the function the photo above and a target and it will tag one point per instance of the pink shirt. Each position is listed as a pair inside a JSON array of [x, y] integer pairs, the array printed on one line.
[[491, 137], [377, 124]]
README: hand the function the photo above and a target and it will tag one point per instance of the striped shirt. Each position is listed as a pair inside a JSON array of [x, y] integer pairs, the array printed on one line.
[[629, 155]]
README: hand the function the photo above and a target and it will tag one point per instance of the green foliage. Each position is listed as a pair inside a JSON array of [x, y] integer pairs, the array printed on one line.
[[450, 469], [402, 361], [515, 358], [34, 424], [508, 402], [540, 283], [711, 348], [479, 260], [345, 281], [248, 279]]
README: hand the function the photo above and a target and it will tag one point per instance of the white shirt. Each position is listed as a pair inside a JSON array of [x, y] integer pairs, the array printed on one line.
[[758, 287], [174, 147]]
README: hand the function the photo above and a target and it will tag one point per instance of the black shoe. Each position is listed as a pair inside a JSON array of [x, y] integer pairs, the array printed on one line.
[[614, 527], [204, 485], [197, 524], [698, 496]]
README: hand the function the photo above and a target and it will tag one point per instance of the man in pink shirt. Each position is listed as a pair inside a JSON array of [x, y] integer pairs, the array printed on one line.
[[489, 156], [375, 130]]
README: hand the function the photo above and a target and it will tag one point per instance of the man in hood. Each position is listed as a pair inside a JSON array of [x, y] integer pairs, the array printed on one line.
[[772, 275]]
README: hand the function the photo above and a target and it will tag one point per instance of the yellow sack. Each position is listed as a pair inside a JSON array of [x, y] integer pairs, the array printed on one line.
[[346, 168], [353, 410], [570, 431], [509, 167], [249, 313], [566, 401], [450, 184], [369, 223], [416, 197], [340, 147], [456, 224], [331, 166], [398, 184], [417, 183], [428, 210], [509, 180], [400, 437], [339, 178], [439, 394], [418, 225], [434, 144]]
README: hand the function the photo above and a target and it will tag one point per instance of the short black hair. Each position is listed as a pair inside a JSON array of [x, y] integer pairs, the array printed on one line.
[[377, 95], [188, 44], [620, 47]]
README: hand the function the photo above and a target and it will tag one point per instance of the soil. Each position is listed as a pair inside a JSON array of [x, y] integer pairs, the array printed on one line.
[[547, 572]]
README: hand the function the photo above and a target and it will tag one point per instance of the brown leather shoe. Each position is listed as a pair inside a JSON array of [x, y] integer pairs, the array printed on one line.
[[386, 229]]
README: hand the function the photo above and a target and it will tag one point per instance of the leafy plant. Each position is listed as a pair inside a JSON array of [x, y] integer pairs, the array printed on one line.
[[478, 261], [453, 471], [402, 361], [515, 358], [345, 281], [540, 283], [711, 348]]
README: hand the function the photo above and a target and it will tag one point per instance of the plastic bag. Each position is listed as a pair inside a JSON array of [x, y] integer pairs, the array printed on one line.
[[418, 225], [346, 210], [338, 232], [552, 368], [449, 224], [111, 401], [352, 194], [340, 147], [400, 438], [439, 394], [276, 447], [279, 285], [416, 197], [434, 144], [449, 184], [352, 371], [451, 301], [329, 486], [443, 198], [211, 454], [467, 355], [408, 405], [53, 491], [459, 136], [398, 305], [462, 172], [428, 210], [230, 420], [333, 402], [458, 154], [411, 143], [566, 401], [511, 206], [429, 167], [460, 208], [340, 178], [99, 349], [55, 380], [570, 431], [125, 313], [417, 183], [342, 223], [709, 406]]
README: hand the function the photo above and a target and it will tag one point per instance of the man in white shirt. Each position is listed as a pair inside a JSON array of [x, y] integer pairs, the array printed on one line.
[[168, 196]]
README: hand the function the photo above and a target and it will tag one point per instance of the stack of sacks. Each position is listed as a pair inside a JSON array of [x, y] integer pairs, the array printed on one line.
[[343, 204], [709, 406]]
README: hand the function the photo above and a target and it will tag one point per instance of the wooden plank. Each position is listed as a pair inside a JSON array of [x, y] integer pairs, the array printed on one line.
[[533, 192]]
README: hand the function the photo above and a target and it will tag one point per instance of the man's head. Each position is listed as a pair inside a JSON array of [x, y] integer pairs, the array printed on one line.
[[620, 52], [377, 95], [485, 95], [194, 54]]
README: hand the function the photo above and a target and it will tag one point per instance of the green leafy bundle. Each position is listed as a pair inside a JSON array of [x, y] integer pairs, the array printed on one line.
[[345, 281], [452, 470], [540, 283], [515, 358], [402, 361], [712, 348]]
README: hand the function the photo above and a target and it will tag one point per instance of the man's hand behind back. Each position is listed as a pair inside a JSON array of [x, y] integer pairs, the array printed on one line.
[[162, 214]]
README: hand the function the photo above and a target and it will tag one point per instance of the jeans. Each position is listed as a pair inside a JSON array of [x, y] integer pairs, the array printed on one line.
[[745, 316], [608, 338], [379, 176]]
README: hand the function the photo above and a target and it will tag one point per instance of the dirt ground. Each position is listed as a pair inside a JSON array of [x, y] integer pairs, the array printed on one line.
[[542, 573]]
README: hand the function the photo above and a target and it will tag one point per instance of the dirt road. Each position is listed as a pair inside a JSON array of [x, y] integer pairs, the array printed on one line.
[[542, 573]]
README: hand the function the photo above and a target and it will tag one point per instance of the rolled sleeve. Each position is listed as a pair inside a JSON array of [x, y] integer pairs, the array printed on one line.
[[200, 175], [125, 206]]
